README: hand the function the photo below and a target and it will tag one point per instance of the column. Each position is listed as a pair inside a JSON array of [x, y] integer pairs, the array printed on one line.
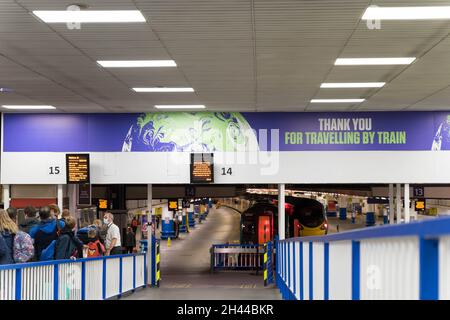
[[391, 203], [60, 197], [406, 199], [72, 192], [398, 200], [281, 212], [150, 266], [6, 196]]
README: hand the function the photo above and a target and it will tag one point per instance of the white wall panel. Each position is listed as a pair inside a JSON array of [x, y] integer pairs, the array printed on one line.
[[390, 269], [297, 263], [305, 270], [283, 167], [340, 268], [318, 271]]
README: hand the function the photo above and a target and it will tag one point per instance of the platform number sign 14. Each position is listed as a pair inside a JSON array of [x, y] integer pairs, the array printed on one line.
[[227, 171]]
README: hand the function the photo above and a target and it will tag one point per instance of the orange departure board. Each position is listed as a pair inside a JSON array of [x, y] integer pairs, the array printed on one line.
[[202, 168], [77, 168]]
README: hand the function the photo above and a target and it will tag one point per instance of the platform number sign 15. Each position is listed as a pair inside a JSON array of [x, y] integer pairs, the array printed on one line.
[[418, 191]]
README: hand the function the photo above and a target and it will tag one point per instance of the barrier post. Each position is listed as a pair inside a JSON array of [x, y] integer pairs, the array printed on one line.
[[55, 282], [355, 270], [153, 253], [265, 264], [134, 273], [429, 269], [158, 259], [83, 280], [18, 293], [120, 276]]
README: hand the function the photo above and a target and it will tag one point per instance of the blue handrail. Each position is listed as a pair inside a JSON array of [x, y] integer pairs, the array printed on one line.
[[56, 262], [428, 228]]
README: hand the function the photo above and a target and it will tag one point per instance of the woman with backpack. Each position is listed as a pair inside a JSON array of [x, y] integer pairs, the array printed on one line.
[[68, 246], [8, 229]]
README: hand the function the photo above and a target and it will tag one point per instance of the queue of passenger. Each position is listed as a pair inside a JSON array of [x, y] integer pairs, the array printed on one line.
[[52, 238]]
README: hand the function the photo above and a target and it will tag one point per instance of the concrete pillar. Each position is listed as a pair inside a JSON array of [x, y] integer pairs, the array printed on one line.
[[60, 197], [391, 203], [6, 196], [72, 192], [406, 199], [149, 234], [281, 212], [398, 200]]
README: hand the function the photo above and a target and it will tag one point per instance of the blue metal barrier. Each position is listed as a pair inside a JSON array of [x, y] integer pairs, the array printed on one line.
[[82, 279], [393, 262]]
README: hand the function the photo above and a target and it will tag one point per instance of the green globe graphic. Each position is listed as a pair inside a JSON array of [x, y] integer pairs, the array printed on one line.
[[190, 132]]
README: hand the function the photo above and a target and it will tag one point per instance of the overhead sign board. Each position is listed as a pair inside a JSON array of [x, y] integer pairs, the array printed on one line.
[[84, 194], [202, 168], [418, 191], [77, 168]]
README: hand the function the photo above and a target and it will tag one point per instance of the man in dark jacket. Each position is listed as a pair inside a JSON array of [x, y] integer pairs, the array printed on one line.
[[6, 248], [130, 240], [68, 245], [45, 232], [30, 219]]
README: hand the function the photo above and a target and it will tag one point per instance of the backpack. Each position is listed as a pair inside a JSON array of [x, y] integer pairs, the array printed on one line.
[[49, 252], [23, 248], [95, 249]]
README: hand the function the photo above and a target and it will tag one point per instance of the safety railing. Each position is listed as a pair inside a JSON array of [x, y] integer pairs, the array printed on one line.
[[392, 262], [83, 279]]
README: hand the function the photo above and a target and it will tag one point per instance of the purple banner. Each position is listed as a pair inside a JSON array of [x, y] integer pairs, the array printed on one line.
[[226, 131]]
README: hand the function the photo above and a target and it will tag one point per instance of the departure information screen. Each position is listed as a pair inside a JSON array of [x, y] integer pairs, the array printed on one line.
[[202, 168], [77, 168]]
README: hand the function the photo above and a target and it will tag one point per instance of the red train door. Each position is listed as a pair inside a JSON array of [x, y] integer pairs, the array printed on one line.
[[296, 228], [264, 229]]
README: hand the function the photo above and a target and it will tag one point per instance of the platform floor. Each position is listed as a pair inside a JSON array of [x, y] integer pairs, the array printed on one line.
[[185, 266]]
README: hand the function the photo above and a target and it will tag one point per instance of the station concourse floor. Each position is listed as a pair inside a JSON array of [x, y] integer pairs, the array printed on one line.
[[185, 266]]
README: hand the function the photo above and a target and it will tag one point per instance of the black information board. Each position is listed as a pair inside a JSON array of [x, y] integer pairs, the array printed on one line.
[[77, 168], [84, 195], [202, 167]]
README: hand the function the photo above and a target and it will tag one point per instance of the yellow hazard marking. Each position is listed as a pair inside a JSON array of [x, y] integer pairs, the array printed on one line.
[[265, 257], [158, 258], [158, 275], [265, 274], [248, 286]]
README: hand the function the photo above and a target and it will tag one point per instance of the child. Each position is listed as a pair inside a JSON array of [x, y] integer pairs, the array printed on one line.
[[68, 246], [95, 247]]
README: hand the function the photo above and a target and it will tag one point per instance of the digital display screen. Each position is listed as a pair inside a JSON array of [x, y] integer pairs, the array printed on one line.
[[102, 204], [173, 204], [420, 205], [202, 168], [77, 168]]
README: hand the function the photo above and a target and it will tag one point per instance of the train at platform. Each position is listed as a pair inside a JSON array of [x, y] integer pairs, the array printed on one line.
[[304, 217]]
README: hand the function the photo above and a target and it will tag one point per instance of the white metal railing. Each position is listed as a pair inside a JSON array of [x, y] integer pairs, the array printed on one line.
[[83, 279], [393, 262]]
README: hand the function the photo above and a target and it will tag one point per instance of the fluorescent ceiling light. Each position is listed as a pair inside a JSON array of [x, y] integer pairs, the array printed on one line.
[[372, 61], [156, 89], [89, 16], [337, 100], [353, 85], [136, 63], [25, 107], [407, 13], [195, 106]]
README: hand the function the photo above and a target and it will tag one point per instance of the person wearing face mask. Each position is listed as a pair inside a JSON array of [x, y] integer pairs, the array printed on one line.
[[112, 242]]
